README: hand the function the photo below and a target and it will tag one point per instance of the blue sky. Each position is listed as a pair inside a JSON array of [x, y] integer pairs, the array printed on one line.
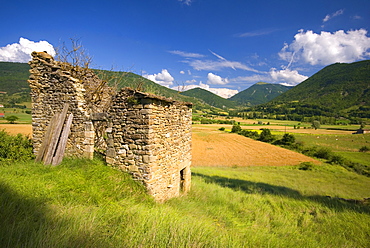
[[223, 46]]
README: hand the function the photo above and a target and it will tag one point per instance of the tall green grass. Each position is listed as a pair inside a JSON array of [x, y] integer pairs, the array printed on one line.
[[84, 203]]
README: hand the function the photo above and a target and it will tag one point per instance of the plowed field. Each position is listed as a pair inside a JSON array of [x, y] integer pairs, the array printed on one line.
[[215, 148]]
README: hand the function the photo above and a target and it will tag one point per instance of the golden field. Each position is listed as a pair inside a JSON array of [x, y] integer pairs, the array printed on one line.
[[216, 148]]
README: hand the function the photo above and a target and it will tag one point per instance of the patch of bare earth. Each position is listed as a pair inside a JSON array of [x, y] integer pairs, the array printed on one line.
[[14, 129], [216, 148]]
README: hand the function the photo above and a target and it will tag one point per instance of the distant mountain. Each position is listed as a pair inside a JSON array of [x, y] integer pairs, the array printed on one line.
[[13, 77], [338, 86], [259, 93], [337, 90], [209, 98]]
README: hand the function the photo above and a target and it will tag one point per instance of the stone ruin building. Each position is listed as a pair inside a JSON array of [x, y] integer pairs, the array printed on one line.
[[144, 134]]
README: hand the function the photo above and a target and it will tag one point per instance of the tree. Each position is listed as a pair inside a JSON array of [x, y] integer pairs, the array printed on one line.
[[316, 124], [236, 129], [288, 139], [11, 119], [266, 136]]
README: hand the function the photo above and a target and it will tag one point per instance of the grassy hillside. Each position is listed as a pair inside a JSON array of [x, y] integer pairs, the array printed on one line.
[[87, 204], [13, 81], [209, 98], [338, 87], [13, 77], [259, 93]]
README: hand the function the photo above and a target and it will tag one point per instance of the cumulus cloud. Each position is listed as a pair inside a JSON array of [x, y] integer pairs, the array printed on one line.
[[287, 76], [163, 78], [215, 79], [21, 52], [327, 48], [222, 92]]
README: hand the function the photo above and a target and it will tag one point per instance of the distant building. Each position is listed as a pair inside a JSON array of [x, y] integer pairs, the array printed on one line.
[[1, 106], [2, 115], [362, 131]]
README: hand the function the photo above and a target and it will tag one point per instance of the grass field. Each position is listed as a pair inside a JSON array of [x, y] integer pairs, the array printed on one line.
[[84, 203], [87, 204], [24, 118]]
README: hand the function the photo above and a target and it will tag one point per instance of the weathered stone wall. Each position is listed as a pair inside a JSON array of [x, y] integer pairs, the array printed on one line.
[[150, 137], [52, 85]]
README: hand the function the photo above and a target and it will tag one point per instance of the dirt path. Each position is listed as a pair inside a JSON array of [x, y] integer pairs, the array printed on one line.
[[216, 148]]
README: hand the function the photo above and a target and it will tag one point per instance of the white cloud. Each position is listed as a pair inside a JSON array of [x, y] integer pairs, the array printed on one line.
[[257, 33], [216, 65], [163, 78], [287, 76], [222, 92], [215, 79], [327, 48], [186, 54], [187, 2], [253, 78], [330, 16], [21, 52], [182, 72]]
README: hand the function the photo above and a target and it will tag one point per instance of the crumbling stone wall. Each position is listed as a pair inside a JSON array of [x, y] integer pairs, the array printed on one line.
[[146, 135], [150, 137], [54, 84]]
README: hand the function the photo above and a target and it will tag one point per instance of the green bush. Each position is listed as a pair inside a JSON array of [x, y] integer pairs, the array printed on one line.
[[15, 148], [364, 149], [249, 134], [324, 153], [306, 166]]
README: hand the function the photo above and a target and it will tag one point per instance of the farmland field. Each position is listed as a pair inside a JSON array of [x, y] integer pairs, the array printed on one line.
[[25, 129], [215, 148]]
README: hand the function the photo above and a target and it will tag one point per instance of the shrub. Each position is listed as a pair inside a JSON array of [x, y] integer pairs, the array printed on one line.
[[324, 153], [305, 166], [221, 129], [249, 134], [15, 148], [337, 159], [288, 139], [364, 149]]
